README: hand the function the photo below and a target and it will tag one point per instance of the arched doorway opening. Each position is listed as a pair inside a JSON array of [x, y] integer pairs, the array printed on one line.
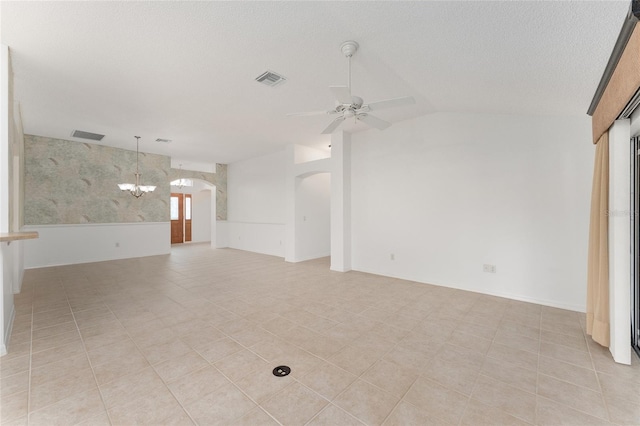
[[193, 213]]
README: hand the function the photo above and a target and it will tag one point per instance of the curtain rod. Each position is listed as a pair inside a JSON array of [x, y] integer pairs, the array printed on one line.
[[628, 26]]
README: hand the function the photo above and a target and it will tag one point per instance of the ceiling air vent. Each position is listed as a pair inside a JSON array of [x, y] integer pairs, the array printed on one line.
[[87, 135], [163, 140], [270, 78]]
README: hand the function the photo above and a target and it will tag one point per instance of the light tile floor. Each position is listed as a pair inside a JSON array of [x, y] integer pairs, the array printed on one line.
[[193, 337]]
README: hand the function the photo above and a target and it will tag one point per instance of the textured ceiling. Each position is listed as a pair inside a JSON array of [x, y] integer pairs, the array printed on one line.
[[185, 70]]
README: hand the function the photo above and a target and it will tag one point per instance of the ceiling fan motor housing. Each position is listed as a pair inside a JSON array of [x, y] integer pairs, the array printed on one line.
[[356, 103], [349, 48]]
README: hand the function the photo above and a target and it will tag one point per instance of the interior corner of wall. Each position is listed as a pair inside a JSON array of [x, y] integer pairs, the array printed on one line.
[[7, 332]]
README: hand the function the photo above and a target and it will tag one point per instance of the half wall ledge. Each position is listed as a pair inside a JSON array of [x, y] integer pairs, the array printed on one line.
[[16, 236]]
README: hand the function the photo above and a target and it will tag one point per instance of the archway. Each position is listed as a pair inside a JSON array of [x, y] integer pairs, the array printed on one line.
[[203, 210]]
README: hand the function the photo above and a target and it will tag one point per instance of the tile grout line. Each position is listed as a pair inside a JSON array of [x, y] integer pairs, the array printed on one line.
[[33, 301], [574, 384], [414, 381], [322, 359], [420, 375], [243, 292], [475, 383], [232, 382], [535, 413], [604, 400], [258, 405], [150, 365], [296, 379], [86, 354], [326, 407], [55, 346]]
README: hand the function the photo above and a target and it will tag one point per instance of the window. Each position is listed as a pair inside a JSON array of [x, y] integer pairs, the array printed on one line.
[[182, 182], [174, 208], [187, 208]]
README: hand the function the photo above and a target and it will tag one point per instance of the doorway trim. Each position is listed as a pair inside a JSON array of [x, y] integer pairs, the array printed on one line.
[[620, 241]]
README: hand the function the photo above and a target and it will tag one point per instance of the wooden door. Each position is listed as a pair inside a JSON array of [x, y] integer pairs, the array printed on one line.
[[187, 217], [177, 218]]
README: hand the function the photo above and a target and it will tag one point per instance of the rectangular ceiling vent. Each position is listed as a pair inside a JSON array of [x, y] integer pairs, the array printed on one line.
[[87, 135], [163, 140], [271, 78]]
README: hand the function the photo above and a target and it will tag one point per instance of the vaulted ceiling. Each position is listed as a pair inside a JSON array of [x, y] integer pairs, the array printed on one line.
[[185, 70]]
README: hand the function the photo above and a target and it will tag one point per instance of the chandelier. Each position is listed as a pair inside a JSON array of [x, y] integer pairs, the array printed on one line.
[[180, 182], [136, 189]]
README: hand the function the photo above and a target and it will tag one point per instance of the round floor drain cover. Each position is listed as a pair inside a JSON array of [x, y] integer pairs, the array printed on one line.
[[281, 371]]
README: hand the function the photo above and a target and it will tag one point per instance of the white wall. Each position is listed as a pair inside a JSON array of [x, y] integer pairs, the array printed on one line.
[[447, 193], [11, 270], [341, 246], [255, 189], [201, 216], [256, 204], [7, 255], [71, 244], [313, 217], [303, 154], [222, 234], [265, 238]]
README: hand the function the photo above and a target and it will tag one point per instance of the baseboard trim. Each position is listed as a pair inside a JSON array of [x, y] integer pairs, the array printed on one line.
[[543, 302], [53, 265]]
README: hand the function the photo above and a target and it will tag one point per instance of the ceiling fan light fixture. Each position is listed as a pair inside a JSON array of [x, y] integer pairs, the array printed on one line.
[[349, 106]]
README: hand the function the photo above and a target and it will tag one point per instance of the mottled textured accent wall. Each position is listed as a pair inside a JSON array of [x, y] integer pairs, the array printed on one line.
[[221, 189], [219, 179], [70, 182]]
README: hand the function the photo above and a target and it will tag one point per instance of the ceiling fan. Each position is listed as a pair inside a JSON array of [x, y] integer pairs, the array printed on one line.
[[349, 106]]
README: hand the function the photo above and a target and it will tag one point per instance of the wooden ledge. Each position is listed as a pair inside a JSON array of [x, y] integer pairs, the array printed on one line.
[[15, 236]]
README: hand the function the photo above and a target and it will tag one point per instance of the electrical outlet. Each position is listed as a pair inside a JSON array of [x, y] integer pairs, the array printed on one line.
[[489, 268], [393, 256]]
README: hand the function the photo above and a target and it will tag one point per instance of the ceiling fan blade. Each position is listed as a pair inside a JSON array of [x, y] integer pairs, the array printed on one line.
[[342, 94], [310, 113], [373, 121], [390, 103], [334, 125]]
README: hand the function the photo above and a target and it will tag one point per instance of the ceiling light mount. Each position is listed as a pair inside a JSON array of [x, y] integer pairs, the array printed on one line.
[[349, 48]]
